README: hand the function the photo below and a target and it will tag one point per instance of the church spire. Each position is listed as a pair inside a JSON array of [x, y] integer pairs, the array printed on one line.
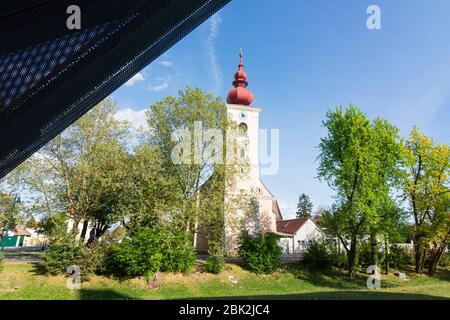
[[240, 94]]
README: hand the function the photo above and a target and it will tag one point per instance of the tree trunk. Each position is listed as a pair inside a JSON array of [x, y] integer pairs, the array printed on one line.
[[74, 229], [418, 255], [435, 260], [351, 259], [373, 249], [197, 209], [84, 230], [386, 250]]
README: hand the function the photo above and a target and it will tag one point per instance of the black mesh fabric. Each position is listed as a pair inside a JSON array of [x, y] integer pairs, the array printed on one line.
[[50, 76]]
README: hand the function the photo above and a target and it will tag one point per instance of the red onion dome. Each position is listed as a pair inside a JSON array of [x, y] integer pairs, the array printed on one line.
[[240, 94]]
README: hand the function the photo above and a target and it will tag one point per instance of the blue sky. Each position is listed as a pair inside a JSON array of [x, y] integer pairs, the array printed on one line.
[[305, 56]]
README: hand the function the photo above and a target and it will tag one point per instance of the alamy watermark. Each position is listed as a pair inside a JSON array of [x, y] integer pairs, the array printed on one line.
[[374, 280], [206, 146], [74, 20], [74, 280], [374, 20]]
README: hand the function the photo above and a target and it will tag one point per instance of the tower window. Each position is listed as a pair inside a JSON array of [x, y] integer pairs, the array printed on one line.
[[242, 153], [243, 129]]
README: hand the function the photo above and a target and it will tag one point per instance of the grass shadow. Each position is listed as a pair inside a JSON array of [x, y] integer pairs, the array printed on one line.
[[38, 269], [326, 278], [334, 295], [442, 274], [103, 294]]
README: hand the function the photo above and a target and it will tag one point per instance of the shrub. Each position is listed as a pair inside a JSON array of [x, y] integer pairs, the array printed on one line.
[[179, 252], [339, 257], [365, 255], [400, 257], [151, 250], [63, 252], [317, 255], [324, 253], [139, 256], [215, 264], [94, 257], [260, 253]]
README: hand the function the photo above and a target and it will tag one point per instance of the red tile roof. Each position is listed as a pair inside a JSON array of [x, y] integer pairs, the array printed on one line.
[[290, 226], [21, 231]]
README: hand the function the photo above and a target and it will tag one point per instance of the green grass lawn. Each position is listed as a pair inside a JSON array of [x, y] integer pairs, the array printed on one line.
[[24, 281]]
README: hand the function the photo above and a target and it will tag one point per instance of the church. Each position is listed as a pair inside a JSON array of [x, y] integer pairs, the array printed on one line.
[[242, 112]]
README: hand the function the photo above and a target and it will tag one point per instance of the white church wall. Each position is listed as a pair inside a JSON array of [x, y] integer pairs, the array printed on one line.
[[249, 182], [268, 221]]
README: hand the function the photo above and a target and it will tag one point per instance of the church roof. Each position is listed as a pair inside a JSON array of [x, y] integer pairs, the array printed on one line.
[[240, 94], [276, 207]]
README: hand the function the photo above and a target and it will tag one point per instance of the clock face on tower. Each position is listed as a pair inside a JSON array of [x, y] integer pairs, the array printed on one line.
[[242, 115]]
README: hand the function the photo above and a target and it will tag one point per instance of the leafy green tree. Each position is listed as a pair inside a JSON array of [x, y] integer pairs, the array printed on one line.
[[439, 233], [425, 184], [194, 161], [304, 206], [392, 221], [31, 223], [106, 174], [10, 212], [358, 160], [150, 199], [53, 225], [65, 176]]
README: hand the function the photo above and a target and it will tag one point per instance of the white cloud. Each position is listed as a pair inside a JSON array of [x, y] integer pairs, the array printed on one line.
[[137, 118], [136, 78], [213, 33], [165, 63], [159, 87], [162, 83]]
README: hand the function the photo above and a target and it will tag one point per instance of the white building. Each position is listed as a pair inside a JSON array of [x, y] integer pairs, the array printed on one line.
[[268, 212], [297, 234]]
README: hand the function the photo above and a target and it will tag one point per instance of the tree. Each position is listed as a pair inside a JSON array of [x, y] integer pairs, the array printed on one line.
[[357, 159], [53, 225], [439, 233], [189, 134], [386, 217], [31, 223], [151, 199], [10, 213], [65, 176], [425, 184], [304, 206], [106, 175], [392, 221]]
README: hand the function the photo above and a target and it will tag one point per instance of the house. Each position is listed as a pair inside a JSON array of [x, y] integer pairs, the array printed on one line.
[[15, 238], [36, 239], [296, 234]]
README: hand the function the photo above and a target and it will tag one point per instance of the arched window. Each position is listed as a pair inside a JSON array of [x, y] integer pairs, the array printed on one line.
[[243, 130], [242, 153]]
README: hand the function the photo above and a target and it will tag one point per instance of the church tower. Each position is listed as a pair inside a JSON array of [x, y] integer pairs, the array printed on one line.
[[266, 210], [240, 111]]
